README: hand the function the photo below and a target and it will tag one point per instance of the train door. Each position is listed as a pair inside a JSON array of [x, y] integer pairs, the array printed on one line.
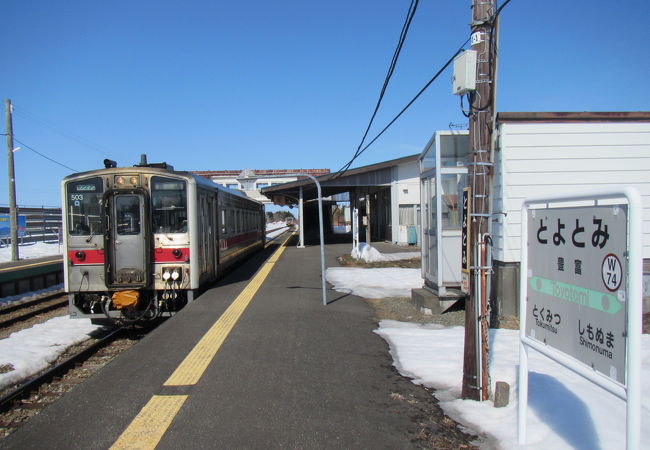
[[214, 223], [206, 214], [127, 239]]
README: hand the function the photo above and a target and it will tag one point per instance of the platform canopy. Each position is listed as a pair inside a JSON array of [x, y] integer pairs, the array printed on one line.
[[374, 175]]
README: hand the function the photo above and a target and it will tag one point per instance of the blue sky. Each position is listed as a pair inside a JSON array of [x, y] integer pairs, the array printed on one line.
[[208, 85]]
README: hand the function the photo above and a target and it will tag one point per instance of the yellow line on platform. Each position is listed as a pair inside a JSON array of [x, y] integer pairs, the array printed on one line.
[[150, 424], [190, 370], [25, 266]]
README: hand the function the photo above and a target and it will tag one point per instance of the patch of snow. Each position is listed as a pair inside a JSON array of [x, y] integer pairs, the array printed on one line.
[[565, 411], [31, 350], [32, 250], [374, 283], [368, 253]]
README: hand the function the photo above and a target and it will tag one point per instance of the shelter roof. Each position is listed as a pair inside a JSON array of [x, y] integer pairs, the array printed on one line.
[[374, 175]]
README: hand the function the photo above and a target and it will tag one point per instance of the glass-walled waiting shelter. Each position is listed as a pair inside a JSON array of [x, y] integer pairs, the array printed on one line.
[[443, 175]]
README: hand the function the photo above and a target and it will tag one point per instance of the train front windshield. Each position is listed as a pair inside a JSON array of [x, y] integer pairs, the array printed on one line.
[[169, 202], [84, 199]]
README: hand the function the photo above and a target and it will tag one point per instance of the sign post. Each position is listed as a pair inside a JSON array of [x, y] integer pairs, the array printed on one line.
[[581, 290]]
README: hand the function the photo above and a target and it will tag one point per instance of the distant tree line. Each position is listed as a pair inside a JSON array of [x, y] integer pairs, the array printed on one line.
[[278, 216]]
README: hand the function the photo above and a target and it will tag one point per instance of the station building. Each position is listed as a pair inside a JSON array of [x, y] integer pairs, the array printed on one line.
[[541, 154], [386, 195]]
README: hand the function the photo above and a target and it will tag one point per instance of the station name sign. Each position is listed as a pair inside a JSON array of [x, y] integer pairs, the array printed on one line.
[[577, 265]]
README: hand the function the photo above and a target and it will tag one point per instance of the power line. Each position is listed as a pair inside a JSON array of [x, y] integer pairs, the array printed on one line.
[[408, 105], [44, 156], [20, 111], [391, 68]]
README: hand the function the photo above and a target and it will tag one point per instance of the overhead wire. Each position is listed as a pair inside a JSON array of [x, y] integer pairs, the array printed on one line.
[[43, 156], [408, 105], [22, 112], [391, 68]]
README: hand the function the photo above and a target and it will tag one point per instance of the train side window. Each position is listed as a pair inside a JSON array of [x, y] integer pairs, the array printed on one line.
[[169, 205], [223, 221], [84, 206], [231, 221]]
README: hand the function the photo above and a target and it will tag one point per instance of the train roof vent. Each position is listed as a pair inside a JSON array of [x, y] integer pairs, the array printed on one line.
[[144, 163]]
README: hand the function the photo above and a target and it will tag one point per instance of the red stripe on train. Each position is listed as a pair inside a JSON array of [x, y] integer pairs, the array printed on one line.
[[86, 257], [164, 255], [160, 255], [225, 244]]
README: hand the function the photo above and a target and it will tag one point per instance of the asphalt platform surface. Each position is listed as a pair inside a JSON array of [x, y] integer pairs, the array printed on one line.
[[292, 373]]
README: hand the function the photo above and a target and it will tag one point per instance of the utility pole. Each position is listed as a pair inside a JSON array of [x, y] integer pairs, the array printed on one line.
[[475, 380], [13, 214]]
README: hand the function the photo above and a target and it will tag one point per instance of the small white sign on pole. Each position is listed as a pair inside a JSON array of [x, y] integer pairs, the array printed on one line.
[[355, 229], [580, 292]]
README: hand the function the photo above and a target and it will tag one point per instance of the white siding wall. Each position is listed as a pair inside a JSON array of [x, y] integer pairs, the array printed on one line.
[[405, 191], [540, 159]]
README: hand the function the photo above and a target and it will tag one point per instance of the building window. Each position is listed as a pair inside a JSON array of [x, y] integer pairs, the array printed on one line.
[[407, 215], [248, 185], [232, 186]]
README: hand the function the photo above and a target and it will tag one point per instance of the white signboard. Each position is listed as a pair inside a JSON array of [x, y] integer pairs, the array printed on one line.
[[576, 283], [580, 293]]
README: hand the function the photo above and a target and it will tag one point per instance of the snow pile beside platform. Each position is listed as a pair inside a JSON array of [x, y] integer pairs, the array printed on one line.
[[370, 254], [374, 283], [31, 350]]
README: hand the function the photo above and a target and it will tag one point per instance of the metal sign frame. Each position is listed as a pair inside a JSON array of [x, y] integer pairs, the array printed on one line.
[[630, 391]]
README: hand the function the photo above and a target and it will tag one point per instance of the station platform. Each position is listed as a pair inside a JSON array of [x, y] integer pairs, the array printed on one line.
[[277, 371]]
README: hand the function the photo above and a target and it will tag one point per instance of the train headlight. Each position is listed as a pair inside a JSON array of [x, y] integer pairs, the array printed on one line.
[[119, 181], [134, 180]]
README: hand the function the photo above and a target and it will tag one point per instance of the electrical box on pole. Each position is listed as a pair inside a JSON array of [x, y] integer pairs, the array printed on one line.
[[464, 78]]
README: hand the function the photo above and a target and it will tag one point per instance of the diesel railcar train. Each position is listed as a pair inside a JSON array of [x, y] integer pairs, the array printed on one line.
[[141, 241]]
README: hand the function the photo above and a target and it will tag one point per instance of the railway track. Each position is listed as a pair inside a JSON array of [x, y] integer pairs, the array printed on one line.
[[21, 403], [23, 310]]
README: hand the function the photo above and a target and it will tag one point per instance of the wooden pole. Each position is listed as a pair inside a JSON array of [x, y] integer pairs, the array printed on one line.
[[480, 138], [13, 212]]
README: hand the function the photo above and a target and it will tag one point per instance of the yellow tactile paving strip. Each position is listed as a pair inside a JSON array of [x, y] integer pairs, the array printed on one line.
[[148, 427], [195, 363], [150, 424]]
